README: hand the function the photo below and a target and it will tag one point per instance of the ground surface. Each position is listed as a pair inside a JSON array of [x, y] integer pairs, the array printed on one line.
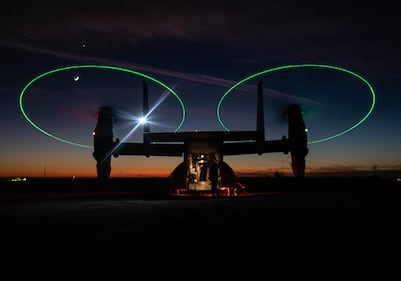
[[305, 231]]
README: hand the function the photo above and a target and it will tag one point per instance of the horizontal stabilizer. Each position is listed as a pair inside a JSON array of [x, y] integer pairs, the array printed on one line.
[[159, 149], [239, 148]]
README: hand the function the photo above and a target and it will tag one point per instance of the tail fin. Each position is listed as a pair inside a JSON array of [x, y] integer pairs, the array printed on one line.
[[145, 112], [145, 109], [260, 119]]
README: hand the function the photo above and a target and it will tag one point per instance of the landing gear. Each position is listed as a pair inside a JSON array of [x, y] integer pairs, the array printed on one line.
[[236, 189]]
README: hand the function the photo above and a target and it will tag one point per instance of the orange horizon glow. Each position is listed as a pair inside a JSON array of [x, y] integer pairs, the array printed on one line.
[[165, 173]]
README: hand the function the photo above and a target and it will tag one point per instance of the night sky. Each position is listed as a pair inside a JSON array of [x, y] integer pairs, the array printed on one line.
[[200, 49]]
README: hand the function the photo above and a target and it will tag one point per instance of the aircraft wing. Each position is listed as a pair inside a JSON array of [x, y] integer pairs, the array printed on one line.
[[147, 149], [174, 144]]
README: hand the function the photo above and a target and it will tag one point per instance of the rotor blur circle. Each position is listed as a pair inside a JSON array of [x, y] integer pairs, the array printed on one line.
[[294, 66], [107, 67]]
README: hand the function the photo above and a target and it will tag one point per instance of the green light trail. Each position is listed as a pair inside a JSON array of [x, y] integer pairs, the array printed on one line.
[[293, 66], [107, 67]]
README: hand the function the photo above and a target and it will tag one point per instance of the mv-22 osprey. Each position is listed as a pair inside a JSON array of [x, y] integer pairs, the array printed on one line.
[[200, 149]]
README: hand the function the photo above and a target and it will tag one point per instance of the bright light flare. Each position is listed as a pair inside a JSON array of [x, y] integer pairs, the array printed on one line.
[[142, 120]]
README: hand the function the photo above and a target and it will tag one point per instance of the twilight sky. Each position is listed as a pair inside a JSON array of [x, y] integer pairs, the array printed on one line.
[[200, 49]]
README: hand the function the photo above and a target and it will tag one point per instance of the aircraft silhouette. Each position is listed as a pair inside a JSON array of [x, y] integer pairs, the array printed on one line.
[[201, 149]]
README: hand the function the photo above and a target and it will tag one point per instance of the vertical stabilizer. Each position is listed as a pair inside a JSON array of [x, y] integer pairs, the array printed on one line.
[[145, 112], [145, 108], [260, 119]]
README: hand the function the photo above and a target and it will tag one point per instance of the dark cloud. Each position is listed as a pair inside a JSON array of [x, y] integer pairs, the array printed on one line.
[[244, 31]]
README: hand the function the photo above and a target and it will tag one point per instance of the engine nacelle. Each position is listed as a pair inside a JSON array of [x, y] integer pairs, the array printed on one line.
[[297, 137]]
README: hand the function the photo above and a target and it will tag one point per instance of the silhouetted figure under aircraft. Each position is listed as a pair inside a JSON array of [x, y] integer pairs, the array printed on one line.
[[214, 177], [103, 143]]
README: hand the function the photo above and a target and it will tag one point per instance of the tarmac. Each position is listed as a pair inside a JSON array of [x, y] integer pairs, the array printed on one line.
[[304, 234]]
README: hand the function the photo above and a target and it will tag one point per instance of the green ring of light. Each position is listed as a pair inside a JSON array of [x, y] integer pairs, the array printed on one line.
[[98, 67], [302, 66]]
